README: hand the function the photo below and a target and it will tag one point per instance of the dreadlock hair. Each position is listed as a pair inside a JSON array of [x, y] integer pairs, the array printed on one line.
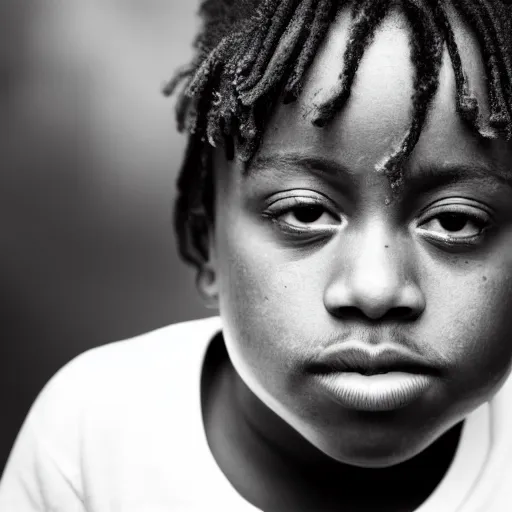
[[251, 54]]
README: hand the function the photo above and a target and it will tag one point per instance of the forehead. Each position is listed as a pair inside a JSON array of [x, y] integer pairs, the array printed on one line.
[[379, 109]]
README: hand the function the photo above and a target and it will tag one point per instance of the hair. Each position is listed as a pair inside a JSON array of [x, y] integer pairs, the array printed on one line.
[[252, 54]]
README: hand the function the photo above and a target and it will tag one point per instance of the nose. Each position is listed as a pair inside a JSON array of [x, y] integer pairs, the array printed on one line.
[[374, 276]]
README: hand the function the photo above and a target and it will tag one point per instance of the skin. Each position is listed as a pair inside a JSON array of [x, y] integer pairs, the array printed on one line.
[[370, 266]]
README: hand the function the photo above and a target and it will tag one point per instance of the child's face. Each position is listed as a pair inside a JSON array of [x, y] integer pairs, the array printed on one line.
[[429, 274]]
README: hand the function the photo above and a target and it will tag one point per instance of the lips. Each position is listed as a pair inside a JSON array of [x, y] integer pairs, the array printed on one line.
[[366, 359], [372, 378]]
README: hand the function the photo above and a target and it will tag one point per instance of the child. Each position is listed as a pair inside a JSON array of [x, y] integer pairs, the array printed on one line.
[[346, 199]]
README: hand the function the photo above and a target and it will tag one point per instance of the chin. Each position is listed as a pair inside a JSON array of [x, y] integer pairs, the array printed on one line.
[[377, 461], [376, 452], [376, 457]]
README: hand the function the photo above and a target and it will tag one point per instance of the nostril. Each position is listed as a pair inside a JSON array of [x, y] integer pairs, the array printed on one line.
[[396, 313], [402, 313], [350, 313]]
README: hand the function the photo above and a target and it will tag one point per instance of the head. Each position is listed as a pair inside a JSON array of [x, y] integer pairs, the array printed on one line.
[[348, 180]]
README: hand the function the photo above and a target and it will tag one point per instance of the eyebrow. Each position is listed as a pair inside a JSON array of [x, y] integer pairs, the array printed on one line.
[[427, 178], [292, 161], [432, 177]]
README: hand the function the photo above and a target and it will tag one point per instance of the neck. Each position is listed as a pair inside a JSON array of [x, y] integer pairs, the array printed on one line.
[[244, 432], [277, 435]]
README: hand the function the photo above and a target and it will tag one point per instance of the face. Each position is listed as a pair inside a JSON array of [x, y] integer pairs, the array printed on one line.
[[368, 323]]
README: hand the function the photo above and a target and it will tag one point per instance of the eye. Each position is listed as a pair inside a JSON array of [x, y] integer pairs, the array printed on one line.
[[308, 215], [455, 224], [303, 215]]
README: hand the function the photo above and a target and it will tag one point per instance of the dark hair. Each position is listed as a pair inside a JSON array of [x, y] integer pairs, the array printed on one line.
[[250, 54]]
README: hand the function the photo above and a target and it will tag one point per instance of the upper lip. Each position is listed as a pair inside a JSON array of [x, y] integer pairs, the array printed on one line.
[[369, 360]]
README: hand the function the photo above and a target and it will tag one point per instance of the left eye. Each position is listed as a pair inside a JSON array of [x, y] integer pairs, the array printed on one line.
[[455, 225]]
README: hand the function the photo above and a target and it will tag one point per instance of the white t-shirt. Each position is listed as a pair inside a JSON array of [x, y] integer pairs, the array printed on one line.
[[119, 429]]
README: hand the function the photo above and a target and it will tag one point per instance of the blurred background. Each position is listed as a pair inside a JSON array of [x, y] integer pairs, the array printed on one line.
[[89, 159]]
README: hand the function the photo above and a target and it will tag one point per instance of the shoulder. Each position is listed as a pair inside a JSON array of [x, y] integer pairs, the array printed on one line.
[[149, 352], [105, 385], [137, 399], [167, 343]]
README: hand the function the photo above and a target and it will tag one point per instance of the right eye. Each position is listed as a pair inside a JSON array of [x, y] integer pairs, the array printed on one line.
[[303, 215], [308, 216]]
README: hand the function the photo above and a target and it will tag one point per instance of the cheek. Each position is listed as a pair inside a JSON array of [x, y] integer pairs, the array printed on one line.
[[471, 319], [270, 303]]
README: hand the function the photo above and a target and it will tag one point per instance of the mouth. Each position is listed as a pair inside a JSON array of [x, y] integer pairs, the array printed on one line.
[[372, 378], [369, 360]]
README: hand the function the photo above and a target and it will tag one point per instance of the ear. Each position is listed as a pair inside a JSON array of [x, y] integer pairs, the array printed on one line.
[[206, 280]]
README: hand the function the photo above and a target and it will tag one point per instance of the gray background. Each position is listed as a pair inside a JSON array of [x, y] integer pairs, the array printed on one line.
[[89, 159]]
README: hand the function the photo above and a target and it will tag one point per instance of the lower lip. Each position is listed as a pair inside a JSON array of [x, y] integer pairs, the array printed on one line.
[[374, 393]]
